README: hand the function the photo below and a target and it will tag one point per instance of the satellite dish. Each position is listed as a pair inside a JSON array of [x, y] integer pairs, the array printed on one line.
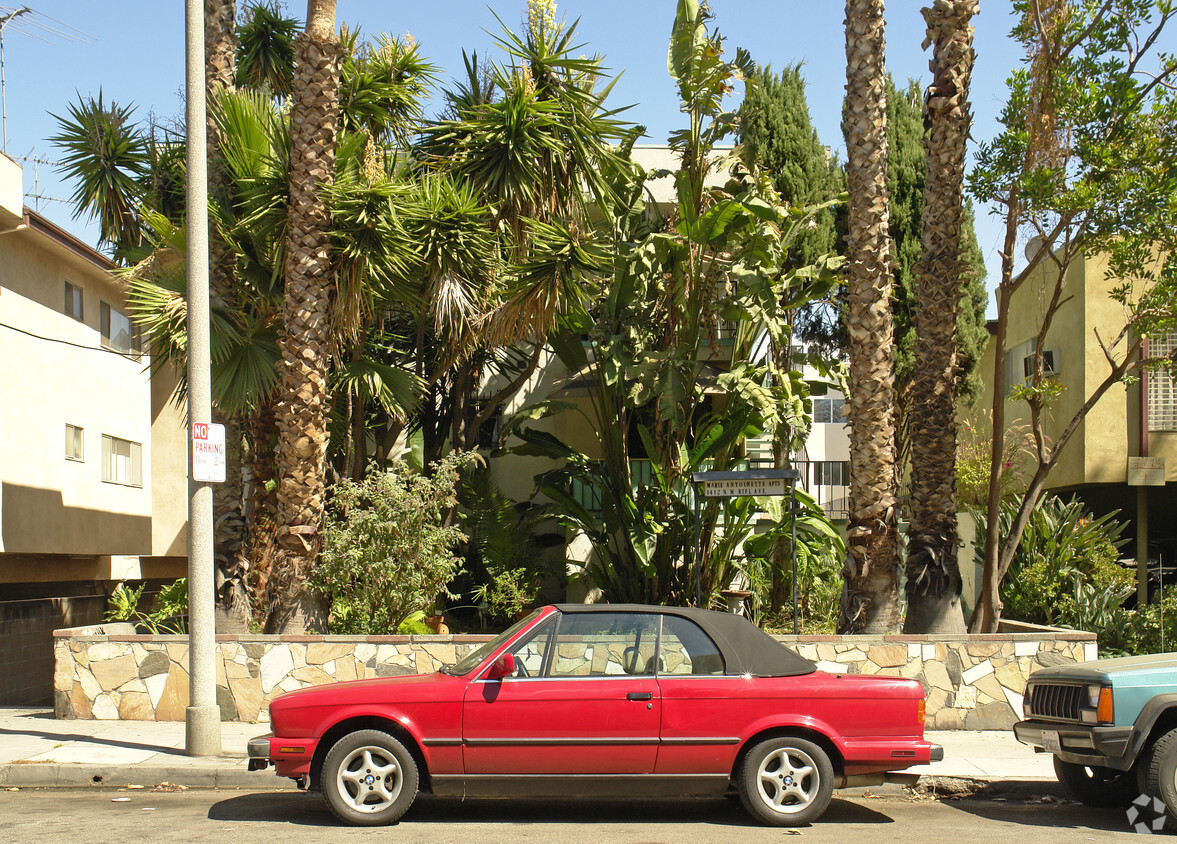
[[1034, 247]]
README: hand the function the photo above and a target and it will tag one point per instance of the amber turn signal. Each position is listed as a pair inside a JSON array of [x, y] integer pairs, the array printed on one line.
[[1105, 711], [923, 711]]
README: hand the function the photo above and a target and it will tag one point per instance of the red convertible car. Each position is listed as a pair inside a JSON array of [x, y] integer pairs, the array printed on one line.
[[603, 699]]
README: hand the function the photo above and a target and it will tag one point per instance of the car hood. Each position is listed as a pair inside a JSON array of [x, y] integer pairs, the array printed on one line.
[[1125, 670], [402, 688]]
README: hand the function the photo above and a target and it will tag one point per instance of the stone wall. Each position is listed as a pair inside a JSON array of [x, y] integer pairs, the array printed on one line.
[[973, 682], [109, 672], [26, 640]]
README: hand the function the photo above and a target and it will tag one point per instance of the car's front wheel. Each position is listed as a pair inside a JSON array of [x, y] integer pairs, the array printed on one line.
[[369, 778], [786, 781], [1096, 785]]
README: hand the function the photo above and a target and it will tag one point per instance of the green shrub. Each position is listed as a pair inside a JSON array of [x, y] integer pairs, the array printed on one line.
[[170, 614], [1062, 547], [1148, 625], [504, 562], [387, 552]]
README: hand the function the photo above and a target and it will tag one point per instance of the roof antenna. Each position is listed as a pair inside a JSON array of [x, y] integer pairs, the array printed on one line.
[[40, 26]]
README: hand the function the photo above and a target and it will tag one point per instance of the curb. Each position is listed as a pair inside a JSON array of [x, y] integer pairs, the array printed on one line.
[[213, 776]]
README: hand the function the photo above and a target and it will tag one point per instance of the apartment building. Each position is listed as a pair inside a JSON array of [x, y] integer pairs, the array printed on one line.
[[93, 457]]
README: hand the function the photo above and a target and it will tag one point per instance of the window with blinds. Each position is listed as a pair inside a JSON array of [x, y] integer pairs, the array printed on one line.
[[1162, 393], [122, 461]]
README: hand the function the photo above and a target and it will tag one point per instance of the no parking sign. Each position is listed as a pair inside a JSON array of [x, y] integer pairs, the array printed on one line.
[[208, 453]]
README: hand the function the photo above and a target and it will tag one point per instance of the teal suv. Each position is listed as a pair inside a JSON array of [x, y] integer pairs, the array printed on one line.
[[1111, 726]]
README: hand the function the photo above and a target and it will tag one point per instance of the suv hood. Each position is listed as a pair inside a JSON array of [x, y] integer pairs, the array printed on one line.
[[1122, 670]]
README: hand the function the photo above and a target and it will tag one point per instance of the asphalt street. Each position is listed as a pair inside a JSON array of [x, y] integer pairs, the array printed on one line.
[[110, 816]]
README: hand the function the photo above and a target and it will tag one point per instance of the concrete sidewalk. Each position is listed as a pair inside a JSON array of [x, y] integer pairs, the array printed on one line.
[[38, 751]]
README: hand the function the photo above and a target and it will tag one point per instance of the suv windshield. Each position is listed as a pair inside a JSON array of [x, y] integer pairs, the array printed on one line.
[[473, 659]]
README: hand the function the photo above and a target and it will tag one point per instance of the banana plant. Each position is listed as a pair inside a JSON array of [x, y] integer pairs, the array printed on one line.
[[659, 383]]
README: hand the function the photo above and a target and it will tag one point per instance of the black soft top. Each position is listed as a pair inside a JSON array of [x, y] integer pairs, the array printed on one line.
[[746, 649]]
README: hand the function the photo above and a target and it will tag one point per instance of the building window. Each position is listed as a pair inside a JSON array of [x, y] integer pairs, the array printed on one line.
[[73, 443], [831, 473], [73, 301], [122, 461], [118, 332], [829, 410], [1019, 363], [1162, 392]]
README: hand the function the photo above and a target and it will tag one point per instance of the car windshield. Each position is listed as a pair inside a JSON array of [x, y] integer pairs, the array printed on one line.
[[473, 659]]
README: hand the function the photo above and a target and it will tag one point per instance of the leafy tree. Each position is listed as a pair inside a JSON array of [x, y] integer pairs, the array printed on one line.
[[779, 139], [1085, 161], [646, 351]]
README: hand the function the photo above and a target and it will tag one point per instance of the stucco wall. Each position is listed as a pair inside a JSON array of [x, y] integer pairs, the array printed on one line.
[[971, 682], [57, 373]]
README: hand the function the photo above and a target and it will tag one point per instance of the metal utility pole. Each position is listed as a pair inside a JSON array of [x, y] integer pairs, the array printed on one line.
[[203, 716], [4, 19]]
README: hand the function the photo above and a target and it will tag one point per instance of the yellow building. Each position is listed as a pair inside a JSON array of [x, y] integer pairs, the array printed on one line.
[[1129, 421], [93, 479]]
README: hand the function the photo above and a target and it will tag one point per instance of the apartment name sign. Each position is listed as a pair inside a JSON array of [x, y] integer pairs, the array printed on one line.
[[753, 482], [208, 453], [1146, 471]]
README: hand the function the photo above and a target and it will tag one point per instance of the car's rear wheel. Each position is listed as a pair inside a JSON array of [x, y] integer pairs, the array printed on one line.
[[1096, 785], [786, 781], [1160, 774], [369, 778]]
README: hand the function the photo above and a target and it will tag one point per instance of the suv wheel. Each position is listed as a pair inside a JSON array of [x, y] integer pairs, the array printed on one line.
[[1096, 785], [1160, 774]]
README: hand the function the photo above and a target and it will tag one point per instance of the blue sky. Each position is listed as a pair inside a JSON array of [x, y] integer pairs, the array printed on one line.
[[134, 53]]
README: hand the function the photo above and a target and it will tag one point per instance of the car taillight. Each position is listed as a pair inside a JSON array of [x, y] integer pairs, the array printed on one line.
[[922, 714]]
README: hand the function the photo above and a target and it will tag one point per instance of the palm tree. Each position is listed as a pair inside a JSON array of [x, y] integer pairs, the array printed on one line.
[[533, 140], [306, 336], [933, 575], [870, 596]]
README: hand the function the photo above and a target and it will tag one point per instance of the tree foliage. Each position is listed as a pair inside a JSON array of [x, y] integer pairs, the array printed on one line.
[[1086, 162], [648, 351]]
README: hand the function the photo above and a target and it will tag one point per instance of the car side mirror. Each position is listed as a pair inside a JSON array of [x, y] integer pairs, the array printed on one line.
[[502, 667]]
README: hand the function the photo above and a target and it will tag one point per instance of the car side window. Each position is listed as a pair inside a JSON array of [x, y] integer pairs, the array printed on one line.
[[686, 649], [603, 644], [530, 653]]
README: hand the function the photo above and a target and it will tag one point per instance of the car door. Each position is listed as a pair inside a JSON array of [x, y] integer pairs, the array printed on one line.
[[704, 709], [581, 701]]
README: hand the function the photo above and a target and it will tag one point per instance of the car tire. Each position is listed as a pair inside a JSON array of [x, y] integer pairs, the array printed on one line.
[[786, 781], [1160, 774], [1096, 785], [369, 778]]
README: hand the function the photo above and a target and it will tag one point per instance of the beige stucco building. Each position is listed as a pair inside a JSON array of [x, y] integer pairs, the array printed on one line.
[[1128, 421], [93, 483]]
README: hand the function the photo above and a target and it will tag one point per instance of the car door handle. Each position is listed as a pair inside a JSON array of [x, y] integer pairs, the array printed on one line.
[[639, 696]]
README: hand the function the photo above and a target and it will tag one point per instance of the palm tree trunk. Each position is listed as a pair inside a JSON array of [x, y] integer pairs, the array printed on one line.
[[302, 412], [933, 575], [870, 594]]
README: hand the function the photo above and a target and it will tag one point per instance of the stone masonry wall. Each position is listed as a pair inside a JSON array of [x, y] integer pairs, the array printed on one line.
[[109, 672]]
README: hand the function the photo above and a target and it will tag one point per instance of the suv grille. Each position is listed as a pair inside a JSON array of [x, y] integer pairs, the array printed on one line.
[[1055, 702]]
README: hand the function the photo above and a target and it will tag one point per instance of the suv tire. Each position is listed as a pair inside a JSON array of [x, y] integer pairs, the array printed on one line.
[[1096, 785]]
